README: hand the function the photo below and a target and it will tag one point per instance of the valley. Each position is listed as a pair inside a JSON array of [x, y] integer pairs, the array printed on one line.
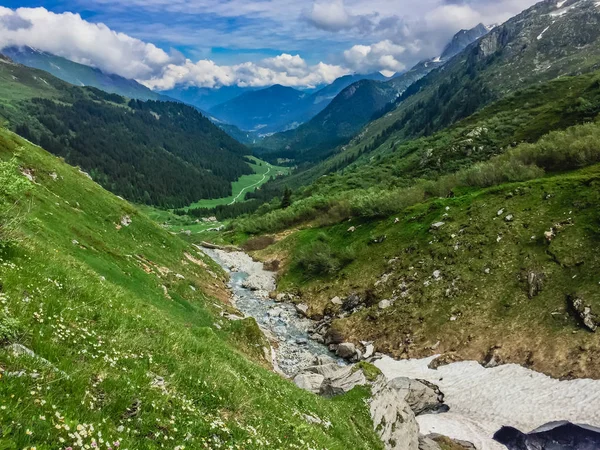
[[389, 250]]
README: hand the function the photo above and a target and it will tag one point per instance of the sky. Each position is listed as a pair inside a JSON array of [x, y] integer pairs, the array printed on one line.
[[168, 44]]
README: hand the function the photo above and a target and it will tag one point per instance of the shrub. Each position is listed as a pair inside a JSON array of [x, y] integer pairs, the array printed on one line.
[[10, 329], [12, 187], [320, 259]]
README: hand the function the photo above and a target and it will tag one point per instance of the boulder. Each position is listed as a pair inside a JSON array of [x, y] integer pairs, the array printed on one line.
[[426, 443], [328, 370], [535, 283], [393, 420], [423, 397], [309, 382], [445, 442], [369, 351], [555, 435], [346, 350], [344, 380]]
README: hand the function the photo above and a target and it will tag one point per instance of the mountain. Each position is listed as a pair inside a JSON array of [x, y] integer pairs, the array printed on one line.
[[159, 153], [100, 303], [277, 108], [264, 111], [352, 109], [206, 98], [463, 39], [81, 75]]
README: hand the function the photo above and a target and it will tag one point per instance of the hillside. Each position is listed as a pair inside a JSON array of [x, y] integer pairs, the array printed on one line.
[[540, 44], [158, 153], [80, 74], [441, 244], [355, 107], [112, 332]]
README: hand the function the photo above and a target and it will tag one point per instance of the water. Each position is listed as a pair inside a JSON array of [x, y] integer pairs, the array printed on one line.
[[280, 322]]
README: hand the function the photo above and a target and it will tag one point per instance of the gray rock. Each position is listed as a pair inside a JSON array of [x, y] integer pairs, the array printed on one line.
[[393, 420], [309, 382], [126, 221], [509, 218], [352, 302], [346, 350], [437, 225], [426, 443], [337, 301], [302, 309], [344, 380], [423, 397], [588, 318], [437, 274], [384, 304], [328, 370], [369, 351], [535, 283]]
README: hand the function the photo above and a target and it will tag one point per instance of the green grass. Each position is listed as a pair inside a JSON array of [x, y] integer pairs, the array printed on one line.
[[247, 183], [110, 309]]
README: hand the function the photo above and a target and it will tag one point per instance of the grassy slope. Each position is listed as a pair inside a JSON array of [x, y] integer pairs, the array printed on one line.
[[96, 310], [491, 309]]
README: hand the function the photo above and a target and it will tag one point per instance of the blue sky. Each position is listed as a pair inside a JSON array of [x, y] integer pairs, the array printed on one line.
[[208, 43]]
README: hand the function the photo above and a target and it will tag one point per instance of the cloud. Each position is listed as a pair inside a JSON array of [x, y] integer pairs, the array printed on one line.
[[330, 15], [384, 55], [284, 69]]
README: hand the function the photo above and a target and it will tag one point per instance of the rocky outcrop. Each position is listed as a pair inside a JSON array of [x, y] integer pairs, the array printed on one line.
[[394, 421], [309, 382]]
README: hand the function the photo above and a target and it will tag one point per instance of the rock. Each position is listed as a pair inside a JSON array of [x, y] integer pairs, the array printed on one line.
[[351, 229], [555, 435], [379, 239], [450, 444], [337, 301], [509, 218], [75, 242], [443, 360], [493, 358], [346, 350], [426, 443], [385, 304], [535, 283], [437, 274], [549, 235], [328, 370], [54, 176], [301, 341], [369, 351], [396, 220], [302, 309], [126, 221], [309, 382], [487, 271], [393, 420], [316, 421], [322, 360], [422, 397], [500, 212], [352, 302], [437, 225], [584, 312], [344, 380]]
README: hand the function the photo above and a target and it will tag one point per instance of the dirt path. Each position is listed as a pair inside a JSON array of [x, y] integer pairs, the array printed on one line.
[[255, 184]]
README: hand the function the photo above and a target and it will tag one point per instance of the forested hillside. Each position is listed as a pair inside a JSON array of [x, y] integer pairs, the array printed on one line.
[[159, 153]]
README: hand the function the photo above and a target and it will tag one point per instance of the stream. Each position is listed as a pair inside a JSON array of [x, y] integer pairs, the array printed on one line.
[[250, 285], [481, 400]]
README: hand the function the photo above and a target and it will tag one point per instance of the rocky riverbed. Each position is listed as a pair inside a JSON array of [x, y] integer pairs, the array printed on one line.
[[250, 285], [480, 400]]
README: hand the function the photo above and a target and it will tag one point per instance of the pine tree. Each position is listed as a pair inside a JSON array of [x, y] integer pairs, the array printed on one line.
[[286, 201]]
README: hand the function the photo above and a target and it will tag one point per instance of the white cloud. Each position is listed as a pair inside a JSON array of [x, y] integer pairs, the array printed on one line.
[[330, 15], [384, 55], [70, 36], [284, 69]]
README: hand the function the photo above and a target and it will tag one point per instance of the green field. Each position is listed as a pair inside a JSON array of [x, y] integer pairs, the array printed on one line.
[[247, 183]]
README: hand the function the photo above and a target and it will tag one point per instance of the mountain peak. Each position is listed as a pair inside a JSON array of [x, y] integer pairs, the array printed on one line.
[[462, 39]]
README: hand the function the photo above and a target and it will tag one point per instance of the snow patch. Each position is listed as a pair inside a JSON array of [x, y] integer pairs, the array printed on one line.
[[542, 33], [561, 3], [560, 12], [438, 59], [483, 400]]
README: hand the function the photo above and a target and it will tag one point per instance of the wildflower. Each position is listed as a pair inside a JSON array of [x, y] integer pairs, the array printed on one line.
[[28, 432]]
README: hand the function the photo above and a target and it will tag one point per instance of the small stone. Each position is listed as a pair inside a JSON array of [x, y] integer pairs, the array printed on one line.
[[351, 229], [396, 220], [75, 242], [337, 301], [437, 274], [487, 271], [500, 212], [509, 218], [302, 309], [384, 304], [437, 225], [126, 221]]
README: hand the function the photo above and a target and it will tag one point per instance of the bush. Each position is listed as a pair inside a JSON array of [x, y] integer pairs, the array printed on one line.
[[10, 329], [321, 260]]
